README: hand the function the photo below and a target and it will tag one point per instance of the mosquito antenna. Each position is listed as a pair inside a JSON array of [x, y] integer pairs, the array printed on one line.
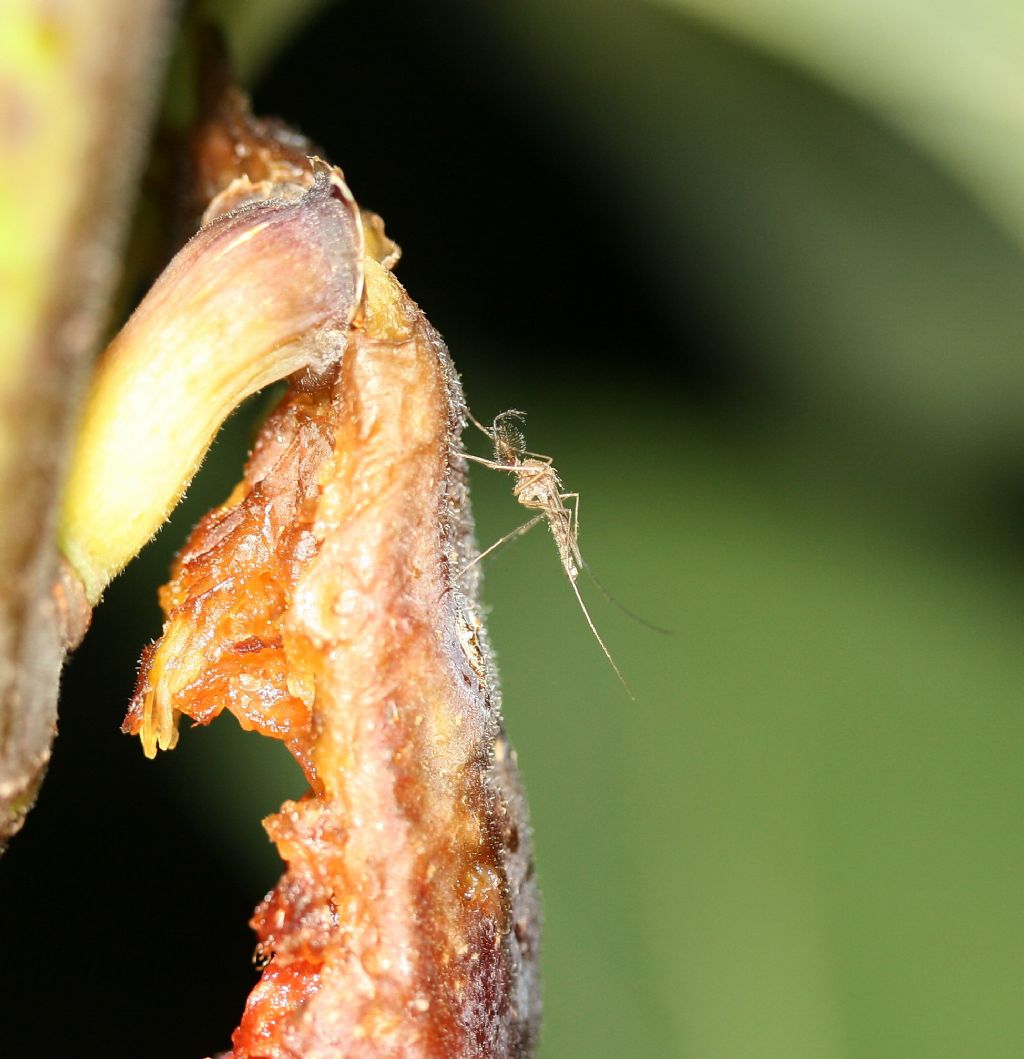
[[509, 413], [622, 606], [509, 442]]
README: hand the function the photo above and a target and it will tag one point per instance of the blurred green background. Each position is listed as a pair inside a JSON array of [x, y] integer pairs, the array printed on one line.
[[754, 268]]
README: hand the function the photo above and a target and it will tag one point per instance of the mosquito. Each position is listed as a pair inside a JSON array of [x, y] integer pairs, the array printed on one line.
[[539, 488]]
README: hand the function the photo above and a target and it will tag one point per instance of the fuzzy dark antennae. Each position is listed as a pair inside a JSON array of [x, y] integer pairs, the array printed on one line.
[[509, 442]]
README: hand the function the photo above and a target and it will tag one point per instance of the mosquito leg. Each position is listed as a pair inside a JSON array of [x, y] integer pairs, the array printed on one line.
[[476, 422], [597, 636], [519, 531], [584, 565], [574, 526], [622, 606], [488, 463], [574, 508]]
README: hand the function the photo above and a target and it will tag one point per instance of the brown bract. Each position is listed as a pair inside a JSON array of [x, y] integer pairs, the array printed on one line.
[[322, 605], [236, 157]]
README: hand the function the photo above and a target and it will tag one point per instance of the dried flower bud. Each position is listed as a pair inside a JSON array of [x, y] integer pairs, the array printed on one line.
[[256, 295]]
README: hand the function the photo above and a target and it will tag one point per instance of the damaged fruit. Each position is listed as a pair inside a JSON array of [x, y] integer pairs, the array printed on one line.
[[323, 604]]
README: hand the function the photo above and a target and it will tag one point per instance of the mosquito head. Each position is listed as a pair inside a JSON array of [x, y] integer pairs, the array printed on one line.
[[509, 443]]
